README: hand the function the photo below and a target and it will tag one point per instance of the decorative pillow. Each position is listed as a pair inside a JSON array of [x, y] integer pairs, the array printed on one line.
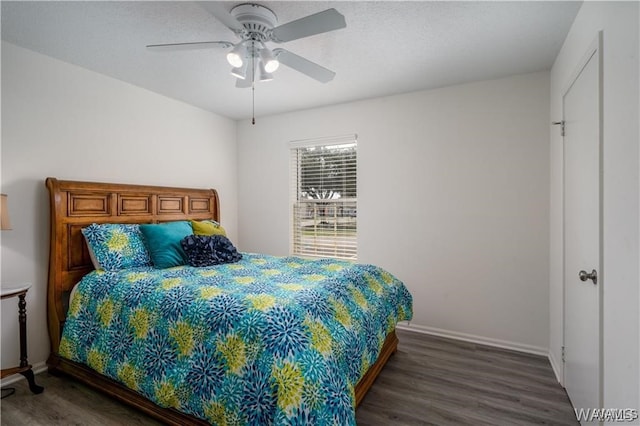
[[115, 246], [163, 242], [207, 227], [207, 250]]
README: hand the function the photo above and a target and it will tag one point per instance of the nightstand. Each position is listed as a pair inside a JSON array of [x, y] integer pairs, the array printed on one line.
[[20, 291]]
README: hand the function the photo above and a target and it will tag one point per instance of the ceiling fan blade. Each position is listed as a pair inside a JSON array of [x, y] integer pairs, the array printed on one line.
[[221, 13], [304, 66], [190, 45], [317, 23]]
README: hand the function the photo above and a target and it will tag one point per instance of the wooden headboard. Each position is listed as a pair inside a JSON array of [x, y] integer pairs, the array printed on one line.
[[75, 205]]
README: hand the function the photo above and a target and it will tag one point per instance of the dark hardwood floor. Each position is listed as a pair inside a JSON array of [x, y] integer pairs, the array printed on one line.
[[429, 381], [437, 381]]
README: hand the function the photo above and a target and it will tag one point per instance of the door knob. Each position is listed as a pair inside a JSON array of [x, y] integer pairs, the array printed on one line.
[[584, 275]]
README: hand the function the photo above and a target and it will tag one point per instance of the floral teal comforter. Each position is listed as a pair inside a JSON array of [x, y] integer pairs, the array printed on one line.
[[267, 340]]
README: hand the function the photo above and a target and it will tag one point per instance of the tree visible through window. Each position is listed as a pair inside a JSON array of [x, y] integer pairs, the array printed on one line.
[[325, 198]]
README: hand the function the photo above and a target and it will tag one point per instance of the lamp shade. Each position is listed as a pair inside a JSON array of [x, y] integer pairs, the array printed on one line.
[[270, 62], [5, 223], [237, 55], [264, 75], [241, 71]]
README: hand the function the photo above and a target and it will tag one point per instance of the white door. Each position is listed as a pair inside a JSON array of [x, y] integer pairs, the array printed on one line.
[[582, 235]]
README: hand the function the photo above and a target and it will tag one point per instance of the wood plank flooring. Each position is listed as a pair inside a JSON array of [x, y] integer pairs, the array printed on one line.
[[437, 381], [429, 381]]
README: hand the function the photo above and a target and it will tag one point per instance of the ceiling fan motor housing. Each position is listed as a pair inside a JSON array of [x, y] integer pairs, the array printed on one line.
[[257, 20]]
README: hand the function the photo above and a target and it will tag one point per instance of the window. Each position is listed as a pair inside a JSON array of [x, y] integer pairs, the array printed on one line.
[[324, 197]]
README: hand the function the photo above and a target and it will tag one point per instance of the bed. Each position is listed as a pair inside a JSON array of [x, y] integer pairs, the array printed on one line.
[[313, 365]]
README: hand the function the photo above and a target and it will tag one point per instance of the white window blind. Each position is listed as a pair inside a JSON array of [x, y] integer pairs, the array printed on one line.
[[324, 197]]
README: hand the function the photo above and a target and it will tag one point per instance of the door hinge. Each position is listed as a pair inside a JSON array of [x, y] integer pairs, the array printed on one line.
[[561, 123], [563, 357]]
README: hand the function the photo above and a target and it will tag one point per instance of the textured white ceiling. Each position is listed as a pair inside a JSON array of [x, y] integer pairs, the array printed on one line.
[[388, 47]]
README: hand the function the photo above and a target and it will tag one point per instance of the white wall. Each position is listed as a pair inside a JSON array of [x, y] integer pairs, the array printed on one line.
[[453, 199], [64, 121], [619, 23]]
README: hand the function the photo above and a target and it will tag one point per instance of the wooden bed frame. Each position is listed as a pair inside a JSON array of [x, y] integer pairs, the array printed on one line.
[[75, 205]]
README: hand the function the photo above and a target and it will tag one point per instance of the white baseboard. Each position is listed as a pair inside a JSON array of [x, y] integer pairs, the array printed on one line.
[[555, 365], [504, 344], [37, 368]]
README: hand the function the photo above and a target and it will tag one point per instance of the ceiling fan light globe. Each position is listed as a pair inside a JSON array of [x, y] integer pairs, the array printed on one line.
[[237, 55], [271, 66], [234, 59], [239, 72], [266, 77], [264, 74], [270, 62]]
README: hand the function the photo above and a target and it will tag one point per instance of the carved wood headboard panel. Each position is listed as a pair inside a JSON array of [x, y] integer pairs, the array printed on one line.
[[75, 205]]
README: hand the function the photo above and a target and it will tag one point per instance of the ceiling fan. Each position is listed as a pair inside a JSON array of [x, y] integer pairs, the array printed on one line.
[[255, 25]]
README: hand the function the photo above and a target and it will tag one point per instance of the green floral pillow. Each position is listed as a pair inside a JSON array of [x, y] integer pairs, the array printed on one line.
[[115, 246]]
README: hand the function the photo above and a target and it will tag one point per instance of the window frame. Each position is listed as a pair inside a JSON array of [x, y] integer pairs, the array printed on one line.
[[334, 242]]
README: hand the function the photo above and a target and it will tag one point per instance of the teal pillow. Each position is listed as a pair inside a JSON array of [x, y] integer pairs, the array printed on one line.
[[163, 243], [116, 246]]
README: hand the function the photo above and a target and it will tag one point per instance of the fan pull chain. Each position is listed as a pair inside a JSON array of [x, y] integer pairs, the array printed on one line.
[[253, 90]]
